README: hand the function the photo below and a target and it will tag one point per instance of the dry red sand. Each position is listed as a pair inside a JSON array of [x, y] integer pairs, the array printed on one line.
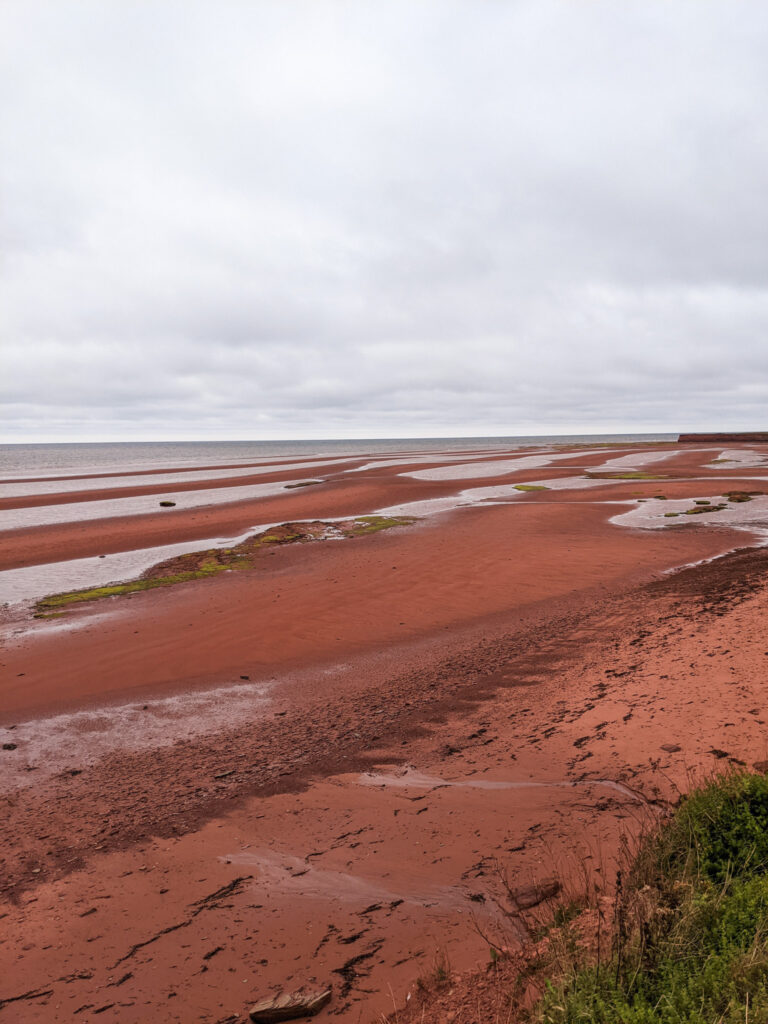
[[527, 643]]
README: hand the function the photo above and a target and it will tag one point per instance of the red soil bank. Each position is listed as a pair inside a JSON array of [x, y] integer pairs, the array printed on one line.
[[749, 438]]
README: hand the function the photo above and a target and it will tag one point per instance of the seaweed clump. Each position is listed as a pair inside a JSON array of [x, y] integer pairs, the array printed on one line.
[[701, 509], [741, 496]]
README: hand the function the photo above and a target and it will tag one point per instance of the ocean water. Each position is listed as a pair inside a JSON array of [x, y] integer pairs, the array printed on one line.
[[47, 460]]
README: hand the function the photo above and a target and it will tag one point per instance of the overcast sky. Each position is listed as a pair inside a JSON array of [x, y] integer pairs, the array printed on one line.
[[284, 219]]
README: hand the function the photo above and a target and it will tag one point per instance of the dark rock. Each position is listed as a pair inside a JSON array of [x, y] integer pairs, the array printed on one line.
[[290, 1005], [9, 746], [671, 748], [528, 896], [167, 504]]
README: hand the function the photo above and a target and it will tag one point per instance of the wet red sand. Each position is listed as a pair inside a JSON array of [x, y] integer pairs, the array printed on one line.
[[531, 642], [339, 495]]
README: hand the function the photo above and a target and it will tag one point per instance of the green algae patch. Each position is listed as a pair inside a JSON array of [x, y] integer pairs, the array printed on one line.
[[198, 565], [700, 509], [118, 589], [531, 487], [362, 525]]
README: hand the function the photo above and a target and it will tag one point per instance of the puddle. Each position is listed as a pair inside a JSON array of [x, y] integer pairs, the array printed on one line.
[[638, 459], [739, 458], [46, 746], [79, 511], [36, 581], [487, 495], [653, 514], [417, 460], [412, 779], [475, 470], [13, 490], [288, 875]]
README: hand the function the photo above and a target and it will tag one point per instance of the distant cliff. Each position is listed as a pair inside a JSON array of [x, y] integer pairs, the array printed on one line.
[[757, 435]]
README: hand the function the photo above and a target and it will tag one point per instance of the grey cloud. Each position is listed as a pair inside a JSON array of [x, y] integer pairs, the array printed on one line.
[[302, 218]]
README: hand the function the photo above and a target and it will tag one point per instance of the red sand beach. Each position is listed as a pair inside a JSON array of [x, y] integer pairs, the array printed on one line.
[[314, 770]]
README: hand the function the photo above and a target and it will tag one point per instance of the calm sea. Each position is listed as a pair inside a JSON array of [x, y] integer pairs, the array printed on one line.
[[40, 460]]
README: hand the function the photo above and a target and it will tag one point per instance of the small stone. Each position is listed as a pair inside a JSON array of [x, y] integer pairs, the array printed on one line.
[[9, 746], [289, 1005], [167, 504], [671, 748]]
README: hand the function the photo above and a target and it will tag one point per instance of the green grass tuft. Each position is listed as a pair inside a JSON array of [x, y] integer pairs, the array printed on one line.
[[691, 941]]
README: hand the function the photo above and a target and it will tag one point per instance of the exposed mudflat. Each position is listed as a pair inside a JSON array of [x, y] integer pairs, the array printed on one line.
[[318, 769]]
